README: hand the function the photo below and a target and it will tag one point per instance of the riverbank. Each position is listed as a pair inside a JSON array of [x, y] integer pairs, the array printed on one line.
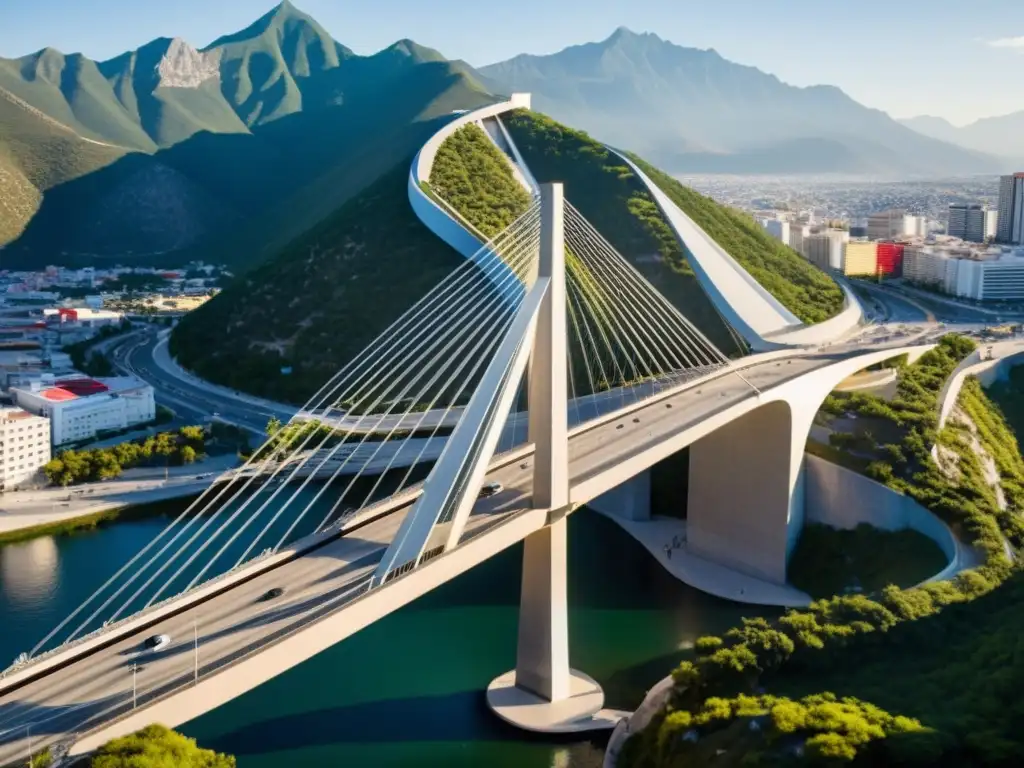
[[22, 525]]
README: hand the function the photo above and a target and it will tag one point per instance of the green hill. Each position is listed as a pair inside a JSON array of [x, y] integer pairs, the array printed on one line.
[[604, 189], [321, 300], [805, 290], [473, 177], [238, 148], [614, 201]]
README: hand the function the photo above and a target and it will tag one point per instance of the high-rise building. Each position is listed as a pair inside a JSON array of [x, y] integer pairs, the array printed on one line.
[[778, 229], [886, 225], [1011, 209], [967, 221], [24, 447], [991, 223], [825, 249], [915, 226]]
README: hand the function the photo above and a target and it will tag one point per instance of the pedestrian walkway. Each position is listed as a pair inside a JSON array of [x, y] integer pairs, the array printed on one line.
[[665, 538]]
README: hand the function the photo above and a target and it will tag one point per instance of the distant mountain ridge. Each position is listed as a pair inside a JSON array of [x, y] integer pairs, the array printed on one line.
[[239, 146], [1002, 135], [702, 112]]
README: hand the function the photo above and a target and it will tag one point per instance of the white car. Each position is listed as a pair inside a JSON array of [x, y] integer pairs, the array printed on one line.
[[156, 642]]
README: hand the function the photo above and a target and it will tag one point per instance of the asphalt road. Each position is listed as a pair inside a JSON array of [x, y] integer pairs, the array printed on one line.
[[190, 401], [78, 695]]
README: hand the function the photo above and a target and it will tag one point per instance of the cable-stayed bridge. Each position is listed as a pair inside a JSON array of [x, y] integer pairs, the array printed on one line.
[[547, 372]]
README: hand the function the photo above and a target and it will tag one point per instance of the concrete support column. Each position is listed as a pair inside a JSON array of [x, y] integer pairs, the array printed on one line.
[[542, 655], [745, 492], [548, 389]]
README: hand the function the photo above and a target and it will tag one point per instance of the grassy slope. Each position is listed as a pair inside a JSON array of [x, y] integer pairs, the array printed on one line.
[[471, 175], [321, 300], [36, 154], [804, 289], [613, 200]]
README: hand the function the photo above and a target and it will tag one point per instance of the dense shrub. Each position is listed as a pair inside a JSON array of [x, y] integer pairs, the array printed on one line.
[[471, 175], [183, 446], [156, 746]]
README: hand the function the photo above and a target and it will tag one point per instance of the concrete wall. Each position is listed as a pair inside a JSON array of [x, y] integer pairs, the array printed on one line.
[[631, 500], [739, 497], [841, 498], [1005, 355]]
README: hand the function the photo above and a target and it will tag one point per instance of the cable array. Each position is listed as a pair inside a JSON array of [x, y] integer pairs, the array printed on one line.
[[626, 341], [376, 427], [368, 433]]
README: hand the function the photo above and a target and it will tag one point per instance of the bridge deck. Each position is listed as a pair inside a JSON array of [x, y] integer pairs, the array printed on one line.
[[95, 689]]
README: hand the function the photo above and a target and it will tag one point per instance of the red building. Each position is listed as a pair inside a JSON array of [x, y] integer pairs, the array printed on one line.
[[890, 259]]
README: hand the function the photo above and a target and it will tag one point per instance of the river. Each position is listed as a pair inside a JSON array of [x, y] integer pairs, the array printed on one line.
[[407, 691]]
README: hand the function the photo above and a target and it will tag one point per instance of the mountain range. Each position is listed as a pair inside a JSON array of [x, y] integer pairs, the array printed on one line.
[[1002, 135], [230, 151], [694, 111]]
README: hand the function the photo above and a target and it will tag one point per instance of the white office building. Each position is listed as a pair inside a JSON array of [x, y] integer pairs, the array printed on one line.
[[80, 408], [24, 447], [915, 226], [975, 274], [778, 229], [991, 224]]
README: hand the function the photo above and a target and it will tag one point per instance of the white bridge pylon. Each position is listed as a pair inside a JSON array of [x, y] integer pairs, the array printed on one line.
[[537, 335]]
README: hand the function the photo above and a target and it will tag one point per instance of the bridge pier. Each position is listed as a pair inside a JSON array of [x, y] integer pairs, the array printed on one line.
[[745, 505], [543, 694]]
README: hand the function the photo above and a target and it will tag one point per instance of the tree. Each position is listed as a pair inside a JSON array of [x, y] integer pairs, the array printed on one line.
[[273, 426], [188, 455], [156, 746]]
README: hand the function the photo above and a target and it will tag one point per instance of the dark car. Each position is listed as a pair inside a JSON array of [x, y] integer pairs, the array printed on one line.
[[273, 594], [489, 489]]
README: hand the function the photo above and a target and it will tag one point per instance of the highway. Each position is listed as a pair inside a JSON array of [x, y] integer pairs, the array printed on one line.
[[192, 402], [324, 581]]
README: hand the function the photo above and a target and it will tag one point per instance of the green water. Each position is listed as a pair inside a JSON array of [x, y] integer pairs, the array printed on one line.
[[408, 691]]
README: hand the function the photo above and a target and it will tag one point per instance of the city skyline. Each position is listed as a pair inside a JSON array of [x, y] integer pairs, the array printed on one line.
[[916, 75]]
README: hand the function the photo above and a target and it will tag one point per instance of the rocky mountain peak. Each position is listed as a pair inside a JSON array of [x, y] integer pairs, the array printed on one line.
[[182, 66]]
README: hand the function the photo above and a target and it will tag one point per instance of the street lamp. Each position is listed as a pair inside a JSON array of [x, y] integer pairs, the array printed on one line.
[[195, 645]]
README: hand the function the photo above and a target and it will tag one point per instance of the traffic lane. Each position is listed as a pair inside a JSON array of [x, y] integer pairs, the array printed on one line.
[[62, 702], [194, 401]]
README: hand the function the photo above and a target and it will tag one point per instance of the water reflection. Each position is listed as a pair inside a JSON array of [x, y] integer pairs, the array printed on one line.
[[29, 571]]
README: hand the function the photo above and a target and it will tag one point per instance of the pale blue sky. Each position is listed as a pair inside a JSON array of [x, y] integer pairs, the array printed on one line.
[[955, 59]]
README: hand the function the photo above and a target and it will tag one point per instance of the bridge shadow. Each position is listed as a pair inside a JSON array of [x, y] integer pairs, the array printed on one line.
[[17, 716], [455, 717]]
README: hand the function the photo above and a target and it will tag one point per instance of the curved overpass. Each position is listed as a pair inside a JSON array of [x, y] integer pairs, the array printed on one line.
[[751, 309], [443, 220]]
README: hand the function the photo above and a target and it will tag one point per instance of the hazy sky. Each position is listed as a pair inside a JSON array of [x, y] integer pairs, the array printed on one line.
[[959, 60]]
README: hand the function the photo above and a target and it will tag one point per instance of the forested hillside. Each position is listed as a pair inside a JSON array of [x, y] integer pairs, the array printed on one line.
[[608, 194], [472, 176], [805, 290], [321, 300]]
